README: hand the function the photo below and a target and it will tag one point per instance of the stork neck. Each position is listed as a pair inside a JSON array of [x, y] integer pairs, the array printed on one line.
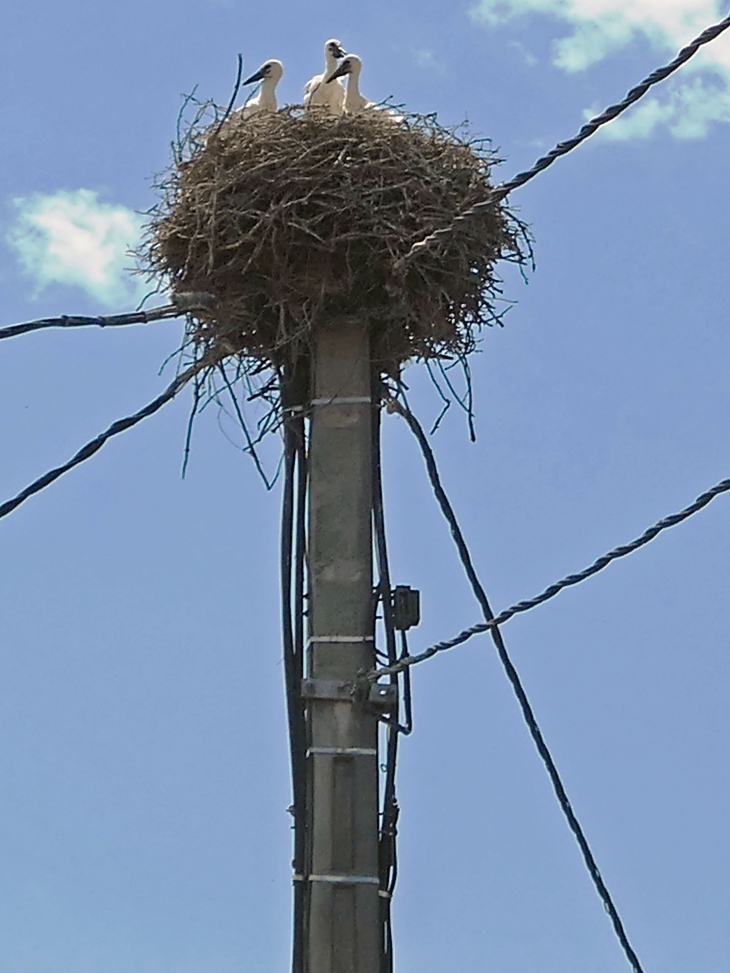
[[354, 101], [267, 96]]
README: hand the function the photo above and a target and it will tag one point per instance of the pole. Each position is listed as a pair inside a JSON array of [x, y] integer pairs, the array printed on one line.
[[342, 916]]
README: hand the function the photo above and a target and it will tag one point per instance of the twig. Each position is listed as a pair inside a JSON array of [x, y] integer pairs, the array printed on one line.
[[232, 102]]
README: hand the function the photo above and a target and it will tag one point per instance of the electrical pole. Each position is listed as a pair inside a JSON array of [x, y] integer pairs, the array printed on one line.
[[342, 918]]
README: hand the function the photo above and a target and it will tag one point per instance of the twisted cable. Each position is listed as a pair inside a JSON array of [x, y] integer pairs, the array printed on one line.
[[522, 606], [181, 304], [562, 148], [519, 691], [121, 425]]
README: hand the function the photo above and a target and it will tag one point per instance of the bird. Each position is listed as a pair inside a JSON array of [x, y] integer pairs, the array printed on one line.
[[319, 94], [354, 101], [269, 74]]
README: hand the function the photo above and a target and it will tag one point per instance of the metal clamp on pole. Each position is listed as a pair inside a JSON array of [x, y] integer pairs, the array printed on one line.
[[383, 698], [378, 696], [342, 752], [346, 879], [342, 400], [328, 689]]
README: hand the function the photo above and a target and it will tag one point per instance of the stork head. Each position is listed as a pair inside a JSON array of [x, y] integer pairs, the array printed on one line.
[[334, 49], [269, 69], [348, 65]]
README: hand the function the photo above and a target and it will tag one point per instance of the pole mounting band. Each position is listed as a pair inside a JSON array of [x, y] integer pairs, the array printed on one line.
[[346, 879], [343, 400], [343, 751]]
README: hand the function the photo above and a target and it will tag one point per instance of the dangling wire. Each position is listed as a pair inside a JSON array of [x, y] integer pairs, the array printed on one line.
[[387, 854], [293, 546]]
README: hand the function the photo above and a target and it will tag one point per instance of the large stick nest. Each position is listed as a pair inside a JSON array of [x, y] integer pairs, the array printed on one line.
[[291, 218]]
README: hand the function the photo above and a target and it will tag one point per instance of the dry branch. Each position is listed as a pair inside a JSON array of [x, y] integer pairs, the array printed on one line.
[[292, 218]]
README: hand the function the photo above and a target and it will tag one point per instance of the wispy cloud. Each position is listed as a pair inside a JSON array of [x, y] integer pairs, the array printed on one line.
[[529, 58], [72, 238], [600, 28], [425, 58]]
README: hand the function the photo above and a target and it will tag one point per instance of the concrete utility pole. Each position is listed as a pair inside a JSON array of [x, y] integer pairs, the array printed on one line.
[[342, 924]]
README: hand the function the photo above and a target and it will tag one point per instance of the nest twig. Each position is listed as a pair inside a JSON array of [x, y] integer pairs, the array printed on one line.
[[294, 218]]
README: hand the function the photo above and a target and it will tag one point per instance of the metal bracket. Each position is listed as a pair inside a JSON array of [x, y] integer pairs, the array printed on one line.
[[328, 689], [380, 697], [383, 696]]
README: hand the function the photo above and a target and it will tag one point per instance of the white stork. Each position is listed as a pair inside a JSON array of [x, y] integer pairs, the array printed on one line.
[[351, 66], [319, 94], [269, 74]]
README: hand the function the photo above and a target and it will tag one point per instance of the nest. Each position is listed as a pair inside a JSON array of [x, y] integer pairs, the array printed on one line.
[[293, 218]]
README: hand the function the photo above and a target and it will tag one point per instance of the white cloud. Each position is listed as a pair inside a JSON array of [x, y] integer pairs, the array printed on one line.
[[425, 58], [529, 58], [599, 28], [72, 238]]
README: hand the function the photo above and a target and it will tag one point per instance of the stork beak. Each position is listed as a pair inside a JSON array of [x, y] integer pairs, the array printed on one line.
[[259, 76], [340, 52], [341, 71]]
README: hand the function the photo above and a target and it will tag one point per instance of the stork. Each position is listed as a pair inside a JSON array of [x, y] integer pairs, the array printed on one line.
[[354, 101], [319, 94], [269, 74]]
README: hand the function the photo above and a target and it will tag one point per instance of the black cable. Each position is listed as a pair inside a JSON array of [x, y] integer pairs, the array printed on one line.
[[552, 590], [181, 304], [300, 547], [386, 847], [519, 691], [562, 148], [407, 728], [78, 321], [287, 532], [292, 558], [121, 425]]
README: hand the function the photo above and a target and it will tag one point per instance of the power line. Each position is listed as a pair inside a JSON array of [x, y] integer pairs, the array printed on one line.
[[387, 844], [516, 683], [293, 545], [121, 425], [181, 304], [562, 148], [552, 590]]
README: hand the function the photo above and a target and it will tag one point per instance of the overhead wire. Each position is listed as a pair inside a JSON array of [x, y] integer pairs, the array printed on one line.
[[292, 552], [554, 589], [563, 148], [121, 425], [300, 612], [387, 855], [513, 676], [181, 304]]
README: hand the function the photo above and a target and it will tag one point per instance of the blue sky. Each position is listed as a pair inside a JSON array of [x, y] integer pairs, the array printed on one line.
[[144, 759]]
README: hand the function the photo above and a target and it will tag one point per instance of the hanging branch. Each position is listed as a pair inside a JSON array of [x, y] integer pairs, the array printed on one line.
[[232, 102]]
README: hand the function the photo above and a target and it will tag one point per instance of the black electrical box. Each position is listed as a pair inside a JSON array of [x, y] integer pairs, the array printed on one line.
[[406, 607]]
